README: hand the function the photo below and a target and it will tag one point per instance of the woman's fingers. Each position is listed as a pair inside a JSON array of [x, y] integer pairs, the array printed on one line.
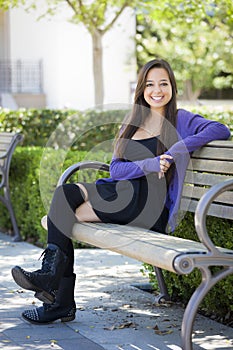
[[164, 164], [161, 174], [166, 156]]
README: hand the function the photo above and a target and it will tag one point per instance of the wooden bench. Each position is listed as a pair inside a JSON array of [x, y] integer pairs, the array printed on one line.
[[207, 189], [8, 142]]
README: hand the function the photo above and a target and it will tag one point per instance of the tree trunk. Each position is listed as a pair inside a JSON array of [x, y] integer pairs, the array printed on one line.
[[189, 93], [98, 67]]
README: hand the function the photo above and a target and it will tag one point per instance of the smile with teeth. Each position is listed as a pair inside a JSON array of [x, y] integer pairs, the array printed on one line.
[[157, 98]]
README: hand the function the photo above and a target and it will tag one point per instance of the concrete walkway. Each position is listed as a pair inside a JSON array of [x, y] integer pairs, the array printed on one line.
[[111, 313]]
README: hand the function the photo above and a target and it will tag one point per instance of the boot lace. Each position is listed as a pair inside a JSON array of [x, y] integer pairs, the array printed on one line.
[[48, 259]]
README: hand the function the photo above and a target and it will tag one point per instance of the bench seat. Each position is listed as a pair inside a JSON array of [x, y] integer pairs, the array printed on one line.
[[207, 190], [165, 251]]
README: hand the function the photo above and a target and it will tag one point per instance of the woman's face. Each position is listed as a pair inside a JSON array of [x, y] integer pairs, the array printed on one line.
[[158, 90]]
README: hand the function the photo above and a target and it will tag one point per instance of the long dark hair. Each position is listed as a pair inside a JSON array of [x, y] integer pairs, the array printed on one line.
[[141, 111]]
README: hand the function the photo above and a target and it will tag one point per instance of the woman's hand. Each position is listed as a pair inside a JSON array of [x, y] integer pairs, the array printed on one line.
[[164, 164]]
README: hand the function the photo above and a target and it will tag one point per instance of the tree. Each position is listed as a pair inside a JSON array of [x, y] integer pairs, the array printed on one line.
[[199, 45], [183, 21], [97, 16]]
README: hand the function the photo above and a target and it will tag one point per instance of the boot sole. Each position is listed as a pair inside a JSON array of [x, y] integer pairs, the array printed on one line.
[[63, 319], [23, 282]]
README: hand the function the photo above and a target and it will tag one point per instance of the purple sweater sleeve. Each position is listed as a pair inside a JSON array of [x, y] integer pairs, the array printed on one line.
[[194, 132], [124, 170]]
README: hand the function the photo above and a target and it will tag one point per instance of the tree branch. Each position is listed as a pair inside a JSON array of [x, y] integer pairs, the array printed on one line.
[[73, 7], [118, 13], [86, 19]]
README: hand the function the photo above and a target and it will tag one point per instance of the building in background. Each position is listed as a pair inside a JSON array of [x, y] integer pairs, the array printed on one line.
[[48, 62]]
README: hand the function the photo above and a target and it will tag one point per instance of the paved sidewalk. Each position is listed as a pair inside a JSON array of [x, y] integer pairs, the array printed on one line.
[[111, 313]]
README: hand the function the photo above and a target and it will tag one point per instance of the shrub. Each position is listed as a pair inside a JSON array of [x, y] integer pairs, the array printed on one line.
[[181, 287], [81, 130], [32, 186]]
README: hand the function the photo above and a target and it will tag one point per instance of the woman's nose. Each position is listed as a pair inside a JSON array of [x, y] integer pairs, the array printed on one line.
[[157, 88]]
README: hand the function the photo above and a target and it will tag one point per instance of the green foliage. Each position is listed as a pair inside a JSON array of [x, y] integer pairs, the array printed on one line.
[[62, 128], [36, 125], [201, 42], [181, 287], [27, 191]]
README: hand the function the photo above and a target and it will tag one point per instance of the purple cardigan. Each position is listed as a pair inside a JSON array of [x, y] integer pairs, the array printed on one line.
[[193, 131]]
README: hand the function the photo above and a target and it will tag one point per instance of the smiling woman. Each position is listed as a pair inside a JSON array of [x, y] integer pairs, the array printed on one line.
[[152, 152]]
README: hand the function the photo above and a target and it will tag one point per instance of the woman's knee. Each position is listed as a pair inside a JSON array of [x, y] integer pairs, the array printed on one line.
[[69, 193], [83, 190], [85, 213]]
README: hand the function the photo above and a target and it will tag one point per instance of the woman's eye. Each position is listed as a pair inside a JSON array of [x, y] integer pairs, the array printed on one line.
[[149, 85], [164, 84]]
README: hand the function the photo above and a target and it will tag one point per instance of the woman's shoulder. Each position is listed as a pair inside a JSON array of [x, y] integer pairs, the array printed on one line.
[[184, 115]]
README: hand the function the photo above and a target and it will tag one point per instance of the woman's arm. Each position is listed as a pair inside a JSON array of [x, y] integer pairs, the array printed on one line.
[[196, 131], [125, 170]]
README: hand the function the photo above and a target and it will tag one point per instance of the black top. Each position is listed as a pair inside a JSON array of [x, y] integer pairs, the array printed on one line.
[[138, 202]]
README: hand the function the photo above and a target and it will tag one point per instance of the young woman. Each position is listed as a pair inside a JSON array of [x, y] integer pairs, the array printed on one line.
[[147, 171]]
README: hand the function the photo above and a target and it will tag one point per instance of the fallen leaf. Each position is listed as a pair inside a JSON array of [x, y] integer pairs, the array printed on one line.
[[110, 328], [121, 326], [126, 325], [163, 332]]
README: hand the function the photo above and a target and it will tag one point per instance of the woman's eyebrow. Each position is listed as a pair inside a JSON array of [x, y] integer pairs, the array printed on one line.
[[150, 80]]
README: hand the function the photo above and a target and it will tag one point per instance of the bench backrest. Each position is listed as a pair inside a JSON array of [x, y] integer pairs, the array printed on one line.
[[8, 142], [210, 165]]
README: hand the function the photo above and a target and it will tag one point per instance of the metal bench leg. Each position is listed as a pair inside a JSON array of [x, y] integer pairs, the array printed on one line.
[[208, 281], [163, 295]]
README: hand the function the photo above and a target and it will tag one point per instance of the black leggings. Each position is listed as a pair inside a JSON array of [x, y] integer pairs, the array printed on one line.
[[61, 218]]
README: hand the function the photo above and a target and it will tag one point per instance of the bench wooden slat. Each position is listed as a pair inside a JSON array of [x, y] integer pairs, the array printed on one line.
[[219, 144], [138, 243], [214, 153], [4, 147], [212, 166], [5, 142], [204, 178], [6, 138], [197, 193], [218, 210], [8, 142]]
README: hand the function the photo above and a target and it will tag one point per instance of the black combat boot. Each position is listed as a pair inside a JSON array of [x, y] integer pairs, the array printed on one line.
[[45, 282], [63, 308]]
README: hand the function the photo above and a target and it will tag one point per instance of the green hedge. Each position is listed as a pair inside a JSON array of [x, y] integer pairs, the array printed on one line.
[[181, 287], [33, 177], [62, 128], [81, 130]]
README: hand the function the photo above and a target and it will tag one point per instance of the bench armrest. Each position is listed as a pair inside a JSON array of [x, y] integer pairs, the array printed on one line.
[[202, 210], [79, 166]]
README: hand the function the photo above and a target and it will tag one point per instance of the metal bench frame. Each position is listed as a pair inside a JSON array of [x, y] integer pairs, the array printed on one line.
[[8, 142], [212, 167]]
